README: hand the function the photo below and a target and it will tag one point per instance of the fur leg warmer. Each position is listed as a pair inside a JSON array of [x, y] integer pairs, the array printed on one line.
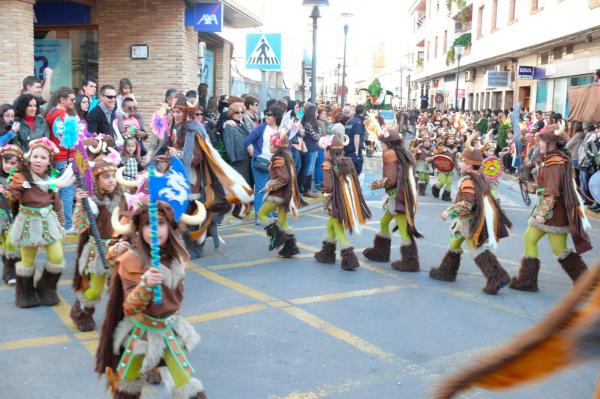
[[446, 196], [410, 258], [327, 253], [289, 247], [9, 273], [82, 314], [573, 265], [349, 260], [277, 237], [380, 251], [496, 276], [25, 296], [448, 268], [46, 287], [435, 191], [527, 277]]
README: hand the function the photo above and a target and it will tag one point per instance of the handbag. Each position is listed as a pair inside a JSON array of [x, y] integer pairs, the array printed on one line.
[[262, 164]]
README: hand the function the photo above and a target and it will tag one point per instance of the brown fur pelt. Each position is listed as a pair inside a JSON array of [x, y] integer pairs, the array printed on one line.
[[105, 358], [292, 188], [407, 161], [343, 167]]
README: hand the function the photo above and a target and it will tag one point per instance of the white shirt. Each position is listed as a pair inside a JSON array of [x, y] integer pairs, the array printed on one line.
[[266, 147]]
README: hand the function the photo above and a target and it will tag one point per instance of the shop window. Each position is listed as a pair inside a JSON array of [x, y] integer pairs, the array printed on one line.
[[544, 58], [570, 49], [581, 80], [557, 53], [559, 97], [541, 99]]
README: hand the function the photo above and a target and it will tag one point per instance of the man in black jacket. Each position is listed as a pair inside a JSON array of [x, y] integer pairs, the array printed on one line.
[[100, 119]]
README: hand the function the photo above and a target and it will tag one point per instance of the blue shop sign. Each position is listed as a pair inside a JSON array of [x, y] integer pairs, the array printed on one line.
[[61, 13], [526, 71], [497, 79], [205, 17]]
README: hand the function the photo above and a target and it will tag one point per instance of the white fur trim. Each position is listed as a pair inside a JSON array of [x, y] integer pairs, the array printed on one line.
[[477, 251], [121, 333], [186, 332], [131, 387], [154, 352], [413, 187], [91, 265], [584, 220], [405, 243], [330, 240], [55, 268], [349, 189], [456, 251], [24, 271], [189, 390], [84, 302], [384, 235], [548, 229], [140, 347], [12, 254], [489, 214], [93, 207], [167, 378], [172, 276], [564, 254]]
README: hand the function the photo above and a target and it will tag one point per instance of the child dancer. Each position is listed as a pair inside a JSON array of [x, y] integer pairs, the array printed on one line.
[[445, 178], [139, 334], [131, 157], [281, 194], [423, 153], [477, 219], [89, 276], [343, 202], [12, 158], [400, 204], [38, 224]]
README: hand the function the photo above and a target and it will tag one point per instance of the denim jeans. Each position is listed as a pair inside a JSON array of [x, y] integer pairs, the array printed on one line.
[[319, 167], [260, 180], [297, 155], [67, 196], [309, 160]]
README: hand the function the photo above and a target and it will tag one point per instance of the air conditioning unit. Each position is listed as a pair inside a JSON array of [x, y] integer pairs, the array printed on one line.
[[470, 75], [459, 26]]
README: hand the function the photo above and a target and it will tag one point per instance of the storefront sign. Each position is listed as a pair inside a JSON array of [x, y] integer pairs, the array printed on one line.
[[54, 54], [205, 17], [461, 93], [263, 51], [208, 70], [526, 72], [497, 79]]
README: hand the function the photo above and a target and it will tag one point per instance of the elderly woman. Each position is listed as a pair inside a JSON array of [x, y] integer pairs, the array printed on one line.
[[234, 134]]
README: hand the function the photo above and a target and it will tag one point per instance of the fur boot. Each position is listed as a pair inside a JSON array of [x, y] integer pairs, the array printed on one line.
[[192, 390], [277, 237], [124, 395], [25, 296], [9, 274], [496, 276], [129, 390], [573, 265], [435, 191], [327, 252], [153, 377], [349, 260], [422, 187], [446, 196], [193, 247], [409, 261], [46, 287], [83, 316], [526, 279], [380, 251], [448, 268], [289, 247]]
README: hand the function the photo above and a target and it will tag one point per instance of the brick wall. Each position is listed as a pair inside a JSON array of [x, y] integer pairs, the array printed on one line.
[[160, 25], [223, 69], [16, 42]]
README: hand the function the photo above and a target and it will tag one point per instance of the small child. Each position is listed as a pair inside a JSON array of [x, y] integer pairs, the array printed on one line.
[[12, 158], [131, 158]]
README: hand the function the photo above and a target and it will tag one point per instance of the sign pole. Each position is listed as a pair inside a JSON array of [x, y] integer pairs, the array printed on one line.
[[263, 88], [315, 15]]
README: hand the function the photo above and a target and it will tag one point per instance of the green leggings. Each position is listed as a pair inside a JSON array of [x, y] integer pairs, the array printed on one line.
[[180, 376], [269, 206], [423, 177], [401, 222], [335, 231], [96, 287], [54, 251], [558, 241], [456, 243], [444, 180]]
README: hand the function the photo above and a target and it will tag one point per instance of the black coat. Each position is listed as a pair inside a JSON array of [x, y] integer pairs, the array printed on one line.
[[97, 122]]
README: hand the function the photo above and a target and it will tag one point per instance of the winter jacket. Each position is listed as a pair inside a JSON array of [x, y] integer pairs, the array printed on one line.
[[25, 134]]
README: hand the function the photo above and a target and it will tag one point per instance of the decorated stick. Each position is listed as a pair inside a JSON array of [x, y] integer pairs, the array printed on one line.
[[154, 247]]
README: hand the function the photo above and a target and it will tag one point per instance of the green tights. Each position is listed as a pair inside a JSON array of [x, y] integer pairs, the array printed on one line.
[[180, 376], [269, 206], [54, 251], [444, 180], [456, 243], [96, 287], [423, 177], [401, 222], [558, 241], [335, 231]]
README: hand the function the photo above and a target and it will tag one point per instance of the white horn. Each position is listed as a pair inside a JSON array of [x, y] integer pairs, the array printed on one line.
[[346, 140], [197, 218], [124, 182], [97, 149], [118, 227]]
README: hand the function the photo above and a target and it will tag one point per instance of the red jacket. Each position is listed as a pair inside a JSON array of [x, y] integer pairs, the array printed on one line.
[[51, 118]]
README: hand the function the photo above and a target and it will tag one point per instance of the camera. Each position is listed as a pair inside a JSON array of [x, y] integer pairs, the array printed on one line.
[[10, 124]]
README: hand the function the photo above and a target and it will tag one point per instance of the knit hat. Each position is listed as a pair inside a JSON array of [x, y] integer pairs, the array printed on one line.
[[103, 163], [45, 143], [12, 149], [472, 155]]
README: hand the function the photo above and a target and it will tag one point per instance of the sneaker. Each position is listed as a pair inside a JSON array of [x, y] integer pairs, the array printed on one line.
[[12, 281]]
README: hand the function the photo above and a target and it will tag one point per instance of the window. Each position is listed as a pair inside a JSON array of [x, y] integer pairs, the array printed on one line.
[[582, 80], [428, 45], [511, 11], [559, 98], [534, 5], [544, 58], [494, 15], [479, 21], [445, 46], [570, 49], [435, 47], [557, 53], [541, 95]]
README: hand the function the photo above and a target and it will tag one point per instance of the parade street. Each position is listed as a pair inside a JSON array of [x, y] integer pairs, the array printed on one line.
[[299, 329]]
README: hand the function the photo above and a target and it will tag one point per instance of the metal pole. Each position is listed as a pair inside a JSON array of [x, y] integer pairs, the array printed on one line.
[[344, 67], [401, 89], [457, 74], [408, 100], [263, 88], [337, 87], [313, 87]]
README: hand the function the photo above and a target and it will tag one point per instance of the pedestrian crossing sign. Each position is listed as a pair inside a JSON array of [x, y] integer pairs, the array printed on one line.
[[263, 51]]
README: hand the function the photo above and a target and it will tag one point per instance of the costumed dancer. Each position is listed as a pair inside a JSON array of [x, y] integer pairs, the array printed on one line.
[[12, 158], [39, 223], [423, 155], [89, 275], [566, 337], [558, 212], [445, 178], [477, 219], [139, 333], [343, 202], [281, 194], [400, 204]]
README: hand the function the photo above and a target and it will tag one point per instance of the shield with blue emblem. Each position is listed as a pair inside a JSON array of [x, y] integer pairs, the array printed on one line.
[[172, 187]]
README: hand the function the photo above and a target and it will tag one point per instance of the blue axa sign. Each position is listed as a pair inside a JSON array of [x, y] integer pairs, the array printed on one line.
[[526, 72], [205, 17]]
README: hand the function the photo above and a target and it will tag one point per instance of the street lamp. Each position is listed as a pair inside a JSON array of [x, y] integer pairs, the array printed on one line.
[[458, 51], [315, 14], [346, 15]]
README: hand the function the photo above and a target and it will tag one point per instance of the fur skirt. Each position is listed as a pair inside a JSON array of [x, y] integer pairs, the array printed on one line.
[[89, 262], [37, 227]]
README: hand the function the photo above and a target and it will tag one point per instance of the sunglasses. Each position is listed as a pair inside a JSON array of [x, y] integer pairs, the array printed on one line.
[[110, 97], [132, 108], [238, 113], [199, 114], [268, 114]]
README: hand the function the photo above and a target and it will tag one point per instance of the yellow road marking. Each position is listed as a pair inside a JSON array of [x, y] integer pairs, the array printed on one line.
[[339, 333], [220, 314], [91, 346], [33, 342], [243, 264], [62, 310], [84, 336], [234, 235], [343, 295]]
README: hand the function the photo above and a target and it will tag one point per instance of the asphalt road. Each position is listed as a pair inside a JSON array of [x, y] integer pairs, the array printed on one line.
[[291, 329]]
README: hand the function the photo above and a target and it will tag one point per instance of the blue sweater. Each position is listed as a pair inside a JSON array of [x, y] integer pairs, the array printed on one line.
[[255, 138]]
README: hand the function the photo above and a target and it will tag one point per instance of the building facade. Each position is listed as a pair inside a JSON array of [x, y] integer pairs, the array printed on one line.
[[526, 51], [146, 41]]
